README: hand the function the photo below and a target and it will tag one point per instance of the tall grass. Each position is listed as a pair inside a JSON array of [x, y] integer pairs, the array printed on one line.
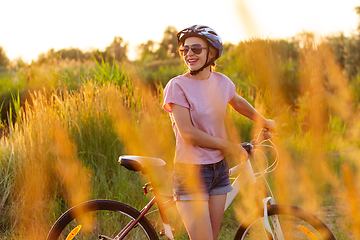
[[64, 146], [319, 137], [67, 145]]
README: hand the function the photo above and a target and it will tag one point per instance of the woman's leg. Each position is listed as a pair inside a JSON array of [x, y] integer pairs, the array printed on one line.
[[202, 219], [196, 218], [216, 210]]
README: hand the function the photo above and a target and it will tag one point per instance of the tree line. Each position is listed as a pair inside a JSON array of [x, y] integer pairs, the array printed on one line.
[[117, 51], [346, 50]]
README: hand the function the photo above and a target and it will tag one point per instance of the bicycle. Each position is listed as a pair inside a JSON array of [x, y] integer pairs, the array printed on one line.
[[117, 220]]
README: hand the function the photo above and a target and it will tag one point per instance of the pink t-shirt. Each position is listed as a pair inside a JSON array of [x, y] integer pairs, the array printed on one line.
[[207, 101]]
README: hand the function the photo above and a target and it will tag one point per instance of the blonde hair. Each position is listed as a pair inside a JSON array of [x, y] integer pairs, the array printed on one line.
[[214, 52]]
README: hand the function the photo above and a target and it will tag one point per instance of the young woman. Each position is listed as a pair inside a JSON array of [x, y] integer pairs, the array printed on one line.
[[197, 104]]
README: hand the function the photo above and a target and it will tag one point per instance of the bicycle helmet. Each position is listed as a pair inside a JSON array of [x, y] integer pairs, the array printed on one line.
[[206, 33]]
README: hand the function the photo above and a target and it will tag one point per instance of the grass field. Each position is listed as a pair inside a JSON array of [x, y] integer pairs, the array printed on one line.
[[63, 144]]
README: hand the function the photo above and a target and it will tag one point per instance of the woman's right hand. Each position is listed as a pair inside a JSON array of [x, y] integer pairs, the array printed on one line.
[[235, 151]]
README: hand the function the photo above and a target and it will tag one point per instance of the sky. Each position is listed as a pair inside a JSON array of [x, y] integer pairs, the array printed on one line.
[[28, 28]]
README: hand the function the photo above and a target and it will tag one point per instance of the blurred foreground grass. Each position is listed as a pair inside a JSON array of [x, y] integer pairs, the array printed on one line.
[[63, 147]]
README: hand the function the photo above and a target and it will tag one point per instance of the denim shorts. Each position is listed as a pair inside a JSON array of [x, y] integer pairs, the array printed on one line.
[[198, 182]]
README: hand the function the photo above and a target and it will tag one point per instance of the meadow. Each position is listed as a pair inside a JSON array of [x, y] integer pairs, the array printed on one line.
[[69, 121]]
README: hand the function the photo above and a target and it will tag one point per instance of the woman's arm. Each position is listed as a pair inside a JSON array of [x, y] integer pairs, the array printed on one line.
[[198, 137], [244, 107]]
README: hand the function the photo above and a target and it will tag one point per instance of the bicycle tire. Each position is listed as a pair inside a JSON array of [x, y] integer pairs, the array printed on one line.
[[111, 216], [290, 219]]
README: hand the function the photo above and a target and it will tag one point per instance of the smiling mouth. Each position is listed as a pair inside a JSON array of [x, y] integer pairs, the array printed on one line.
[[192, 61]]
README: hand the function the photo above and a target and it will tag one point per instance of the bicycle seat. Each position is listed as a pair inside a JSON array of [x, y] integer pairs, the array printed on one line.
[[139, 163]]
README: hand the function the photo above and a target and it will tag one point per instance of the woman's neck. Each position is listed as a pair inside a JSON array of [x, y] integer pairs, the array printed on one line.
[[202, 75]]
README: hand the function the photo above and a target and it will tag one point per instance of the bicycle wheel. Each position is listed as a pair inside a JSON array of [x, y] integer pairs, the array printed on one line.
[[295, 224], [108, 218]]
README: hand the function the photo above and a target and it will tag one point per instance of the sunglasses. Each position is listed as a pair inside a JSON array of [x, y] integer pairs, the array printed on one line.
[[196, 48]]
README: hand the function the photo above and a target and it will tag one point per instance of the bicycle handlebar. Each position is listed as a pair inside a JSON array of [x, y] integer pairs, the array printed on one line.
[[263, 140], [264, 134]]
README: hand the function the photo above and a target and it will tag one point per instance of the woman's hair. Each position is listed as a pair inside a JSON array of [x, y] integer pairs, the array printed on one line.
[[214, 52]]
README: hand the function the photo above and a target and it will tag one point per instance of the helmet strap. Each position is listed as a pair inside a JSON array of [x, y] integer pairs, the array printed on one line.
[[206, 62]]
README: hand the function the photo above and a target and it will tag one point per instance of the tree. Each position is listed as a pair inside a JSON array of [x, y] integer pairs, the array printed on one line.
[[357, 10], [168, 45], [69, 53], [4, 60], [117, 49], [167, 48], [338, 44], [18, 63], [147, 51], [347, 50]]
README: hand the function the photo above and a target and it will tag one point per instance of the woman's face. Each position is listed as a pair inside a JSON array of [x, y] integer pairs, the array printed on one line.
[[195, 61]]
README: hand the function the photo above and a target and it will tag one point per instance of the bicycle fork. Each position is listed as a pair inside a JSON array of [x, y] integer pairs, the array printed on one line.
[[277, 232]]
